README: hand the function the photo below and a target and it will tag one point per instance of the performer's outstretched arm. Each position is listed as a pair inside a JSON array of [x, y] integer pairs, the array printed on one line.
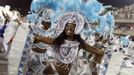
[[93, 50], [43, 39], [39, 50]]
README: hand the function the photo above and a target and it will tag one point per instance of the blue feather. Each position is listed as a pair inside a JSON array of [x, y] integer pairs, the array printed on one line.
[[90, 10]]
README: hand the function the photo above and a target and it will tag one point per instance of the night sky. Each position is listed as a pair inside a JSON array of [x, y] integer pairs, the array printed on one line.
[[24, 5]]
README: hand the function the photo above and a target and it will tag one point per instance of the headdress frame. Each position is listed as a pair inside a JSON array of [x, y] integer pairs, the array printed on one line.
[[74, 16]]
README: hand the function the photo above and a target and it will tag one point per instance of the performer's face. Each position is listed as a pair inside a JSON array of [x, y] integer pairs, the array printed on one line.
[[69, 29], [46, 25]]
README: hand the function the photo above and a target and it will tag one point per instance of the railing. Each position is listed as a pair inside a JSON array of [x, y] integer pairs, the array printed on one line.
[[124, 20], [128, 32]]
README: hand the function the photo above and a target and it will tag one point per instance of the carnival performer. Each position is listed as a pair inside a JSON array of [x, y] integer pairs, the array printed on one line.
[[6, 19], [34, 51], [67, 45], [7, 15], [60, 53]]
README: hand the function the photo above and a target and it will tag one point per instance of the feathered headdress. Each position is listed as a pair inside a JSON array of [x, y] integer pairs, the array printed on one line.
[[90, 9]]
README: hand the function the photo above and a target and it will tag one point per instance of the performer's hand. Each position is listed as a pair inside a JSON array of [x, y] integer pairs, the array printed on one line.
[[102, 50], [38, 38], [63, 66], [97, 59]]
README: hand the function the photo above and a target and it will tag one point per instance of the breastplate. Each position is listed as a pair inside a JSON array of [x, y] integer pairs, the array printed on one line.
[[68, 51]]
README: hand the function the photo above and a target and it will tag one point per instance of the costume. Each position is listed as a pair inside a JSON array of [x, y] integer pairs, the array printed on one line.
[[31, 59], [77, 11]]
